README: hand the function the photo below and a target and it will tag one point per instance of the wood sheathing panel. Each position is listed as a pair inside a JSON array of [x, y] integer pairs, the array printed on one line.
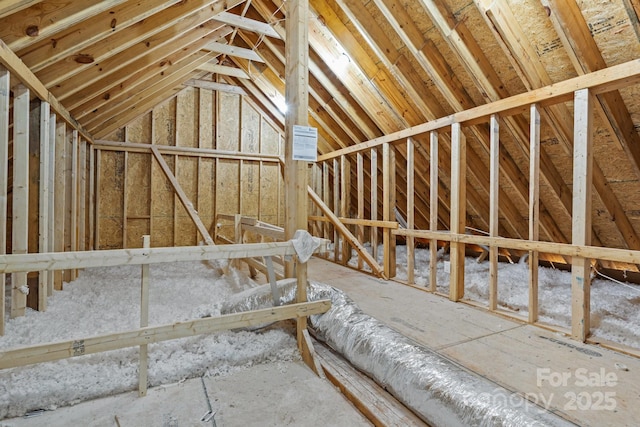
[[213, 185], [111, 202]]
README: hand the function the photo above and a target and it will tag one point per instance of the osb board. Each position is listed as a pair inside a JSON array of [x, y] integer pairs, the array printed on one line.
[[136, 228], [162, 205], [250, 188], [227, 192], [139, 131], [111, 202], [269, 182], [164, 117], [187, 118], [187, 176], [206, 118], [116, 135], [228, 122], [270, 139], [250, 131], [138, 184], [206, 191]]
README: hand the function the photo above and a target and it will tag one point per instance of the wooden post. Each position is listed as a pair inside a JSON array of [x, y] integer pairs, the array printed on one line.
[[97, 198], [494, 191], [74, 197], [43, 209], [237, 235], [297, 100], [410, 211], [60, 198], [336, 209], [345, 202], [581, 220], [360, 228], [82, 198], [4, 176], [388, 208], [20, 213], [144, 321], [51, 230], [534, 209], [433, 211], [92, 196], [458, 210], [374, 202], [325, 198]]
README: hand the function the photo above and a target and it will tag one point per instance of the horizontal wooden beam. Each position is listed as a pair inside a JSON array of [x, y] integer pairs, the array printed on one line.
[[208, 84], [22, 73], [224, 70], [592, 252], [153, 334], [602, 81], [139, 256], [233, 51], [355, 221], [184, 151], [247, 24]]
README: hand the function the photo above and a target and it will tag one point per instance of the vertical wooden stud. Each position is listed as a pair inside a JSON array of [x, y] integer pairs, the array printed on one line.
[[534, 209], [433, 210], [74, 197], [60, 198], [458, 210], [125, 205], [345, 202], [97, 198], [51, 231], [581, 219], [92, 197], [20, 224], [410, 211], [144, 321], [326, 195], [68, 207], [43, 201], [5, 78], [374, 202], [388, 208], [494, 191], [336, 209], [360, 184], [82, 196]]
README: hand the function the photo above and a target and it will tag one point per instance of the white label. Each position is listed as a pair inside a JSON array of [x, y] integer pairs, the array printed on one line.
[[305, 143], [447, 267]]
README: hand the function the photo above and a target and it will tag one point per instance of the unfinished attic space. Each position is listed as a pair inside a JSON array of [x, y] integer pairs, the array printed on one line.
[[320, 212]]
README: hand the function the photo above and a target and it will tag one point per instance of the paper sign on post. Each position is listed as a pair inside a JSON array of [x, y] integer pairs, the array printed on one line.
[[305, 143]]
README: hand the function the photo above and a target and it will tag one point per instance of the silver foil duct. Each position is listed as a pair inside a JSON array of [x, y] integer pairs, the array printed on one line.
[[441, 392]]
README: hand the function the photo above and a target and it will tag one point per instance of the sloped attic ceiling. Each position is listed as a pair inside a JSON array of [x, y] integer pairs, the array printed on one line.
[[376, 67]]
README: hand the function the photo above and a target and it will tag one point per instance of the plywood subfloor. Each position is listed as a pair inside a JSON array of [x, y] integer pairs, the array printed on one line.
[[277, 394], [586, 384]]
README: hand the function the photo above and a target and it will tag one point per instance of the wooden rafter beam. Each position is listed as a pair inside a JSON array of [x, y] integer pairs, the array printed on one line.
[[104, 95], [81, 36], [510, 36], [50, 21], [23, 74], [9, 7], [586, 57]]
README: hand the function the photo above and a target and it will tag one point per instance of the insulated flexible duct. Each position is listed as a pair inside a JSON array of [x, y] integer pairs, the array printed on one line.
[[441, 392]]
